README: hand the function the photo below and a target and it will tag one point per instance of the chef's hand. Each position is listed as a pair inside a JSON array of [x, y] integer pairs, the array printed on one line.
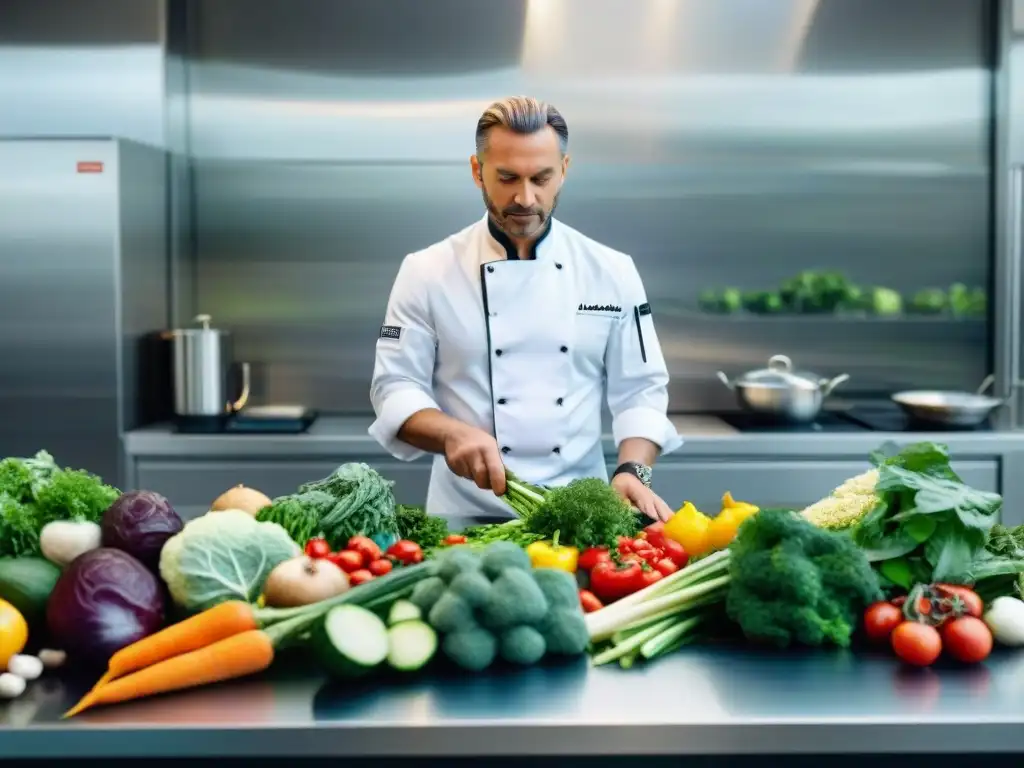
[[473, 454], [640, 496]]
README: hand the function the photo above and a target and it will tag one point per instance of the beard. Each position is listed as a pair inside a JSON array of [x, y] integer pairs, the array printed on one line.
[[535, 221]]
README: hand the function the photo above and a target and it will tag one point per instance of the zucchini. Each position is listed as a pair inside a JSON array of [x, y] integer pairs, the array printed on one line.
[[350, 641], [403, 610], [411, 645], [26, 583]]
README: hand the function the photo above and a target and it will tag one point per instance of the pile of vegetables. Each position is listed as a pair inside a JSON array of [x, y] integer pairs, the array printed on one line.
[[354, 500]]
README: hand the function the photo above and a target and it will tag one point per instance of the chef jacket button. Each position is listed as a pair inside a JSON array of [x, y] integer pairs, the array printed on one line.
[[502, 401], [556, 449], [497, 352], [557, 265], [505, 449], [565, 348], [559, 401], [490, 269]]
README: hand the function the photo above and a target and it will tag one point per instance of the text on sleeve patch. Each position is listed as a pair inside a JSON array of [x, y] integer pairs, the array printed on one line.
[[391, 332]]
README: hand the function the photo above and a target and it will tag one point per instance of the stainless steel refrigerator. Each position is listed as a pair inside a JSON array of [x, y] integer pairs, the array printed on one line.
[[83, 286]]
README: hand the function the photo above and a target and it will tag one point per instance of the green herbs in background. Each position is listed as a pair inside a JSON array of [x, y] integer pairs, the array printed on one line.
[[299, 514], [585, 513], [414, 524], [35, 491], [927, 525]]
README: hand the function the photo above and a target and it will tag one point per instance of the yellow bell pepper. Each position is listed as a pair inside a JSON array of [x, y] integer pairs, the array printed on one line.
[[549, 554], [689, 527], [728, 502], [723, 528]]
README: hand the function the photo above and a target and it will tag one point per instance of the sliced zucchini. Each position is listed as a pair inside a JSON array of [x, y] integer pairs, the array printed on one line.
[[411, 645], [403, 610], [351, 641]]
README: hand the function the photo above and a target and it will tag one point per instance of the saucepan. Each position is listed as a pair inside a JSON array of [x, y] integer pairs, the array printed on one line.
[[781, 393], [941, 408]]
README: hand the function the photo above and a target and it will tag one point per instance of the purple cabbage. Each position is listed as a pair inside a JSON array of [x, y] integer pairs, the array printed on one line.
[[103, 601], [140, 523]]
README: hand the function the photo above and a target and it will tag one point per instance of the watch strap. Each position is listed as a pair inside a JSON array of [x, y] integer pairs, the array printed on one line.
[[641, 472]]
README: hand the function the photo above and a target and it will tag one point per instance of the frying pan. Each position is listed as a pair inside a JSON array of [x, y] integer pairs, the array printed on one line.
[[942, 408]]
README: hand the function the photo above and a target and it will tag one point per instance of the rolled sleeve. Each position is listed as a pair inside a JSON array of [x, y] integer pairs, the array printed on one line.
[[403, 369], [636, 371]]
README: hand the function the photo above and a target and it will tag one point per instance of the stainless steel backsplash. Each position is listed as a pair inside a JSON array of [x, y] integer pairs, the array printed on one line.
[[717, 141]]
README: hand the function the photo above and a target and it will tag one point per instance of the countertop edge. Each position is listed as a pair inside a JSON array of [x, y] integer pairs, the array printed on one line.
[[483, 739]]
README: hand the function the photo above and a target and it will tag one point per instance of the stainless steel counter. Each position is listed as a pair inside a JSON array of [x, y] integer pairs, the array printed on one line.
[[701, 701]]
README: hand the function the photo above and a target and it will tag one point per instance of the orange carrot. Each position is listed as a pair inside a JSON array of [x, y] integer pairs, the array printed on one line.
[[210, 626], [242, 654]]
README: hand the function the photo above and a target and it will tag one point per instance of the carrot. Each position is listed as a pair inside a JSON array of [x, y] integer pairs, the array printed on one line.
[[242, 654], [210, 626]]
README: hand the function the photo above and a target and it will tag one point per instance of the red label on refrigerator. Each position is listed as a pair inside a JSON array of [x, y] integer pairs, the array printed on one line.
[[90, 167]]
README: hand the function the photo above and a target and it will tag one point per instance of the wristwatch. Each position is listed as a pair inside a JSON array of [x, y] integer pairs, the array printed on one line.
[[641, 472]]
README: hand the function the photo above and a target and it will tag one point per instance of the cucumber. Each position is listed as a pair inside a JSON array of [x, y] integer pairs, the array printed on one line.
[[26, 583], [403, 610], [350, 641], [411, 644]]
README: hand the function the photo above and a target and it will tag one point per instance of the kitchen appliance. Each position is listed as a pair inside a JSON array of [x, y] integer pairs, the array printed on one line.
[[272, 419], [203, 369], [779, 392], [943, 408]]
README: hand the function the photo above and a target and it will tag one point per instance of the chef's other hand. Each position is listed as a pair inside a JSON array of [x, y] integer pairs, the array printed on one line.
[[473, 454], [640, 496]]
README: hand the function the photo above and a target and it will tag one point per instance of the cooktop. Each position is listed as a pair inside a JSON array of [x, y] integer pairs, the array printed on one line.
[[881, 416]]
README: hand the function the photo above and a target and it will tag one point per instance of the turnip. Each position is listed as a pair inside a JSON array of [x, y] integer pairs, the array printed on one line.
[[1005, 617], [63, 540], [302, 581]]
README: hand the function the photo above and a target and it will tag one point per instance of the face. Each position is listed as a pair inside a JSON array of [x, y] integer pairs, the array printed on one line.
[[520, 178]]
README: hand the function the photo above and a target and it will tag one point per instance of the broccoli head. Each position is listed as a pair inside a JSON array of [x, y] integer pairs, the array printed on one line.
[[792, 582]]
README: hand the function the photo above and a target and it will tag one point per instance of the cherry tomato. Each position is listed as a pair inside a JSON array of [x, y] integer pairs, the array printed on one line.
[[610, 581], [650, 576], [406, 552], [360, 577], [967, 639], [675, 552], [666, 567], [589, 601], [380, 567], [972, 605], [880, 619], [916, 644], [317, 548], [641, 547], [655, 533], [592, 556], [625, 545], [454, 538], [347, 560], [365, 546], [632, 557]]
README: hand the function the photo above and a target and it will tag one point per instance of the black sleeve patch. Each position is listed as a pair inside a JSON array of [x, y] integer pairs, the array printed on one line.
[[391, 332], [644, 309]]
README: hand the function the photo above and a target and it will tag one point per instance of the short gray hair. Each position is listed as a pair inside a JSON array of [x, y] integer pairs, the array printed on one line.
[[524, 115]]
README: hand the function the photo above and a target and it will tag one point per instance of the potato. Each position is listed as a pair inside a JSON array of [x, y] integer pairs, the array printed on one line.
[[246, 499], [302, 581]]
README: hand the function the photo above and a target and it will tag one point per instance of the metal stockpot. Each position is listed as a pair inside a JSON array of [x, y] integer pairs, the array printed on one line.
[[202, 367], [782, 393]]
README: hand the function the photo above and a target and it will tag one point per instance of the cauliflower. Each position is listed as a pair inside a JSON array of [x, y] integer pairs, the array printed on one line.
[[222, 556], [846, 505]]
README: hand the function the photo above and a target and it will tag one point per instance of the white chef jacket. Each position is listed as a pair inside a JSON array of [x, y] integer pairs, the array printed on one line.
[[522, 349]]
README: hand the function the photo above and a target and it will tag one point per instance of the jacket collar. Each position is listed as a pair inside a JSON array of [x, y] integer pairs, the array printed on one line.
[[504, 242]]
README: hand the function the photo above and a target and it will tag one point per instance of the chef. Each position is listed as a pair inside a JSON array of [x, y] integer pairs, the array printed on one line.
[[500, 342]]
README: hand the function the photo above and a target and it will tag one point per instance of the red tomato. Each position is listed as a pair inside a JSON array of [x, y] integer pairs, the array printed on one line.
[[360, 577], [666, 567], [317, 548], [589, 601], [406, 552], [675, 552], [610, 581], [380, 567], [967, 639], [880, 619], [454, 538], [651, 576], [971, 604], [625, 545], [592, 556], [916, 644], [656, 534], [347, 560], [365, 546], [641, 547]]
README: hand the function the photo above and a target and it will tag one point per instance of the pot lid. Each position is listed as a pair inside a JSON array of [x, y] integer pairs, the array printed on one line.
[[204, 328], [780, 374]]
